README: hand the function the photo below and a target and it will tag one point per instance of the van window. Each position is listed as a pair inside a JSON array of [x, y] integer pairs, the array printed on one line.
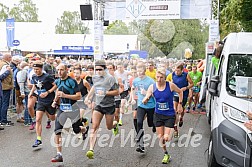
[[238, 65]]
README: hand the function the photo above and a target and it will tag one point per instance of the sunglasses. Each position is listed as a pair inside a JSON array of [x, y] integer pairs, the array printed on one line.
[[99, 69]]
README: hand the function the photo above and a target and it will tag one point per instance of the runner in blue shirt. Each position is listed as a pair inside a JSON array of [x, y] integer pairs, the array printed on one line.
[[140, 85]]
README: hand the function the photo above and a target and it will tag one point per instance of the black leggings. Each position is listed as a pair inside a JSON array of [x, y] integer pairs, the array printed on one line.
[[62, 118], [141, 112]]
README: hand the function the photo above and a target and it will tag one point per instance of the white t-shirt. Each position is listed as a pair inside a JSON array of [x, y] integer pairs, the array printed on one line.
[[124, 77]]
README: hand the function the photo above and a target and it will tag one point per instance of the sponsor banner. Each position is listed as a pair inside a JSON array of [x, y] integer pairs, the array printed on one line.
[[214, 32], [152, 9], [10, 31], [157, 9], [98, 39]]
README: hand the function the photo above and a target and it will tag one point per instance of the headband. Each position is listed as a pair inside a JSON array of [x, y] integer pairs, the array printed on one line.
[[38, 65]]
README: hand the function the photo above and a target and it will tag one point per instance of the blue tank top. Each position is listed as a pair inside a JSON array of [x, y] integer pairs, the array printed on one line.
[[164, 100], [181, 82]]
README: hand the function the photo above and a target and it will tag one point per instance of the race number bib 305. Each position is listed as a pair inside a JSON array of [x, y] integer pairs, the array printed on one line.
[[163, 106], [66, 107]]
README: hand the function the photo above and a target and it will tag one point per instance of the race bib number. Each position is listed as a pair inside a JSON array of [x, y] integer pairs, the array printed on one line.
[[163, 106], [195, 88], [66, 107], [99, 91], [176, 94], [41, 91]]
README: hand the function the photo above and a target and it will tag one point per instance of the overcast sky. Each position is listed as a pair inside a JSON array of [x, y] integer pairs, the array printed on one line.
[[50, 10]]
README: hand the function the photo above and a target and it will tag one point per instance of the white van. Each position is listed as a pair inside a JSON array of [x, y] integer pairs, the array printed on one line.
[[230, 142]]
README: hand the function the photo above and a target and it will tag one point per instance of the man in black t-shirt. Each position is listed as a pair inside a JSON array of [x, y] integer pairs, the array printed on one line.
[[49, 68], [44, 84]]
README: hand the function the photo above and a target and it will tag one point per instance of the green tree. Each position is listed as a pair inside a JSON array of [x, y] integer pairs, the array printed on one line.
[[171, 38], [118, 27], [25, 11], [70, 23], [230, 15], [4, 10], [246, 15], [235, 15]]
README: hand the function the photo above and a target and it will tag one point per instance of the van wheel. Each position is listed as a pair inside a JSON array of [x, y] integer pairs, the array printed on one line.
[[211, 161]]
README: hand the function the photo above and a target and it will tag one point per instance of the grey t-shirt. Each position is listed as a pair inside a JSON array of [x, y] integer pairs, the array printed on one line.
[[102, 84]]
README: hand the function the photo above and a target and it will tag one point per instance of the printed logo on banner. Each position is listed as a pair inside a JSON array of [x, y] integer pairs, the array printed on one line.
[[136, 7]]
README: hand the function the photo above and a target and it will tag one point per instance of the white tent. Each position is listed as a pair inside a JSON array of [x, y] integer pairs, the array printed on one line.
[[33, 37]]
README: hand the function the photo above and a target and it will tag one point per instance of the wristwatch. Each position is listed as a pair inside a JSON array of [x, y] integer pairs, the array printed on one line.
[[180, 103]]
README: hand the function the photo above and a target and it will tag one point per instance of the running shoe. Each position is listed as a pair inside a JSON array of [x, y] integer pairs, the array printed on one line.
[[193, 109], [8, 123], [90, 154], [20, 120], [1, 128], [27, 124], [115, 130], [37, 143], [181, 122], [32, 127], [85, 121], [85, 134], [199, 106], [57, 158], [120, 122], [154, 129], [188, 109], [176, 134], [48, 126], [166, 159], [140, 149]]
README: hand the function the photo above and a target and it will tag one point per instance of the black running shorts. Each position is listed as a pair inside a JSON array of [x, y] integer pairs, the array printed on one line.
[[46, 108], [105, 110], [163, 120]]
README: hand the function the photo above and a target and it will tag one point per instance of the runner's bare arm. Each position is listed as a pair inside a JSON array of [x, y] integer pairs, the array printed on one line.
[[132, 92], [32, 90], [148, 94], [90, 94], [190, 82], [112, 92], [174, 88], [87, 85], [53, 88], [121, 86]]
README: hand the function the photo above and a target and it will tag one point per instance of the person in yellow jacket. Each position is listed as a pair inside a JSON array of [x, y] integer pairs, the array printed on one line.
[[169, 77], [151, 71]]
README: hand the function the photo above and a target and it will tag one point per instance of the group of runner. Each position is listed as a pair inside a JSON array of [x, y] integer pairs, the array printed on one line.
[[153, 94]]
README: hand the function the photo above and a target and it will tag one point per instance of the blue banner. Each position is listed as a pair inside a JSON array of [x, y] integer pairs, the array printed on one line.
[[10, 31], [78, 48]]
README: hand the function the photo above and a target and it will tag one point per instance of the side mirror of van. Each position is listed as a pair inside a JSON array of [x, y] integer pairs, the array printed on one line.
[[213, 85]]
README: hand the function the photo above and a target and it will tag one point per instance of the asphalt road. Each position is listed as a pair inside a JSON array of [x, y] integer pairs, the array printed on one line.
[[190, 150]]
